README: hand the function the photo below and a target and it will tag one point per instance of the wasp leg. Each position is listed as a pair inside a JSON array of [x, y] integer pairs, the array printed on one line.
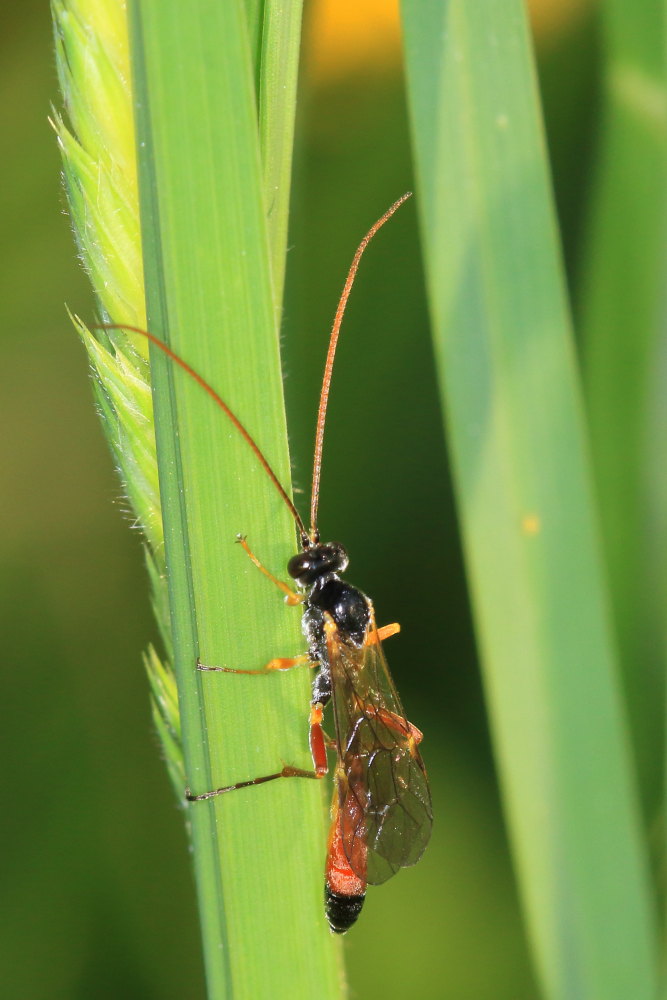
[[287, 772], [291, 597], [318, 752], [376, 635], [279, 663], [318, 741]]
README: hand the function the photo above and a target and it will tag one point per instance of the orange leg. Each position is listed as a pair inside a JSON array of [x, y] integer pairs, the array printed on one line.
[[279, 663], [291, 597], [376, 635], [318, 742]]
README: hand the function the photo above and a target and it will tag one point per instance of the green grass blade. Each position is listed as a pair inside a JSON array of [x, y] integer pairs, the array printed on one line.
[[258, 853], [279, 59], [622, 319], [255, 15], [274, 30], [514, 422]]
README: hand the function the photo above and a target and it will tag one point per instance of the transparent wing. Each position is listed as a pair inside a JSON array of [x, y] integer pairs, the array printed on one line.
[[385, 803]]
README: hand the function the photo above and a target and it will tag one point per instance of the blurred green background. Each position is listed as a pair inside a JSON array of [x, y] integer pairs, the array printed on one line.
[[98, 899]]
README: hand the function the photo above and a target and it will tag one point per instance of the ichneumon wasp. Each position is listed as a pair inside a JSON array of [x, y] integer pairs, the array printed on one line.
[[381, 813]]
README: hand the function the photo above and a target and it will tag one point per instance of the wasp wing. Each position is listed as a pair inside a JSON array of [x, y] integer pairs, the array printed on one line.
[[385, 803]]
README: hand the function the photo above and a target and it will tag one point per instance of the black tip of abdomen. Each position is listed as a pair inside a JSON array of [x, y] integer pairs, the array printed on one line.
[[342, 911]]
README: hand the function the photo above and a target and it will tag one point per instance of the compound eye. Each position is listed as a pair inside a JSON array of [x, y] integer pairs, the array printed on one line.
[[298, 565]]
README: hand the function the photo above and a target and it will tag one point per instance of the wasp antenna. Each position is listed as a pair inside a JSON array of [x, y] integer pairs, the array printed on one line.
[[223, 406], [331, 353]]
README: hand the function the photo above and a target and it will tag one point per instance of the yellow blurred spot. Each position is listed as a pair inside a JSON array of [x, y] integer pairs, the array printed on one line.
[[531, 524], [347, 36], [552, 18]]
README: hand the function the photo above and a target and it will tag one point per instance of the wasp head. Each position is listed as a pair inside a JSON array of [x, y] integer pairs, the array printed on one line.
[[316, 561]]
